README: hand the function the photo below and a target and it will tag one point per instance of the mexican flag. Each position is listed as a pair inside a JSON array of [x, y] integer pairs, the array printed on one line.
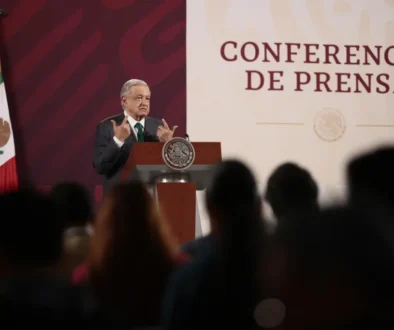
[[8, 172]]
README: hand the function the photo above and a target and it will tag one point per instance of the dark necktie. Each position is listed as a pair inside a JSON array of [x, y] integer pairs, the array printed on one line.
[[140, 134]]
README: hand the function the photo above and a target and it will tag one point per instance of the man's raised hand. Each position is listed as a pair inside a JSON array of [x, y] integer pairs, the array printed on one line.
[[165, 133], [122, 131]]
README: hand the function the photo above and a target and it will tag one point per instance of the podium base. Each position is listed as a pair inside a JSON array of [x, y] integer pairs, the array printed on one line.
[[177, 202]]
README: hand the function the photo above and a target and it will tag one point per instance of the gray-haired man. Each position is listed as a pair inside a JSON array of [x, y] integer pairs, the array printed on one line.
[[116, 135]]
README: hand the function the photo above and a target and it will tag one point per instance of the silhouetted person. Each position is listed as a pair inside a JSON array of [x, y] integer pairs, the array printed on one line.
[[370, 177], [131, 256], [31, 243], [291, 191], [220, 288], [75, 203]]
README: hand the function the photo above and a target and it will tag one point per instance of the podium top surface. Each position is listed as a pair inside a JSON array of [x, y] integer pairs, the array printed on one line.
[[150, 153], [146, 163]]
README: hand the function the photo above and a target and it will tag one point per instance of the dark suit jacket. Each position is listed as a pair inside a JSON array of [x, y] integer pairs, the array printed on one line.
[[108, 158]]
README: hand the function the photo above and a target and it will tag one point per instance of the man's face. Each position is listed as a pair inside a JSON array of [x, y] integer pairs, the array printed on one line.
[[137, 102]]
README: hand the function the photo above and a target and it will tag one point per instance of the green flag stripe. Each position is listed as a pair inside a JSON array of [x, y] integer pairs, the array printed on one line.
[[1, 78]]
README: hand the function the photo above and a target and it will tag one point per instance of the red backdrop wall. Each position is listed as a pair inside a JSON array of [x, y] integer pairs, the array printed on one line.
[[64, 63]]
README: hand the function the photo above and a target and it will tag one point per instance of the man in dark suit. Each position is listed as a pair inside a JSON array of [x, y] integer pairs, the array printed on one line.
[[116, 135]]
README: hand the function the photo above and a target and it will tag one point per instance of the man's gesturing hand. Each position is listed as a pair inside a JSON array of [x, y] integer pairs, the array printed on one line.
[[164, 132], [122, 132]]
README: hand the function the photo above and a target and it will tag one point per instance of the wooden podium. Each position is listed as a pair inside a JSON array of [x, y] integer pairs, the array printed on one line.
[[175, 190]]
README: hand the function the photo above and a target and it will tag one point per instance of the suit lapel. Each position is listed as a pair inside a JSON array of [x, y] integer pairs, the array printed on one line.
[[132, 137], [150, 127]]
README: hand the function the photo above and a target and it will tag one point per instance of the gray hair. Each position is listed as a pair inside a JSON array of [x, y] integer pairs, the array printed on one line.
[[130, 83]]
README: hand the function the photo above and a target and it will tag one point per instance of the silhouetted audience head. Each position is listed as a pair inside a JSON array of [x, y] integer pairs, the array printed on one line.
[[31, 232], [75, 203], [233, 190], [291, 188], [370, 177]]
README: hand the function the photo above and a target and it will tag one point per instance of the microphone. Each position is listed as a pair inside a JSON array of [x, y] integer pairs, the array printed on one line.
[[187, 137]]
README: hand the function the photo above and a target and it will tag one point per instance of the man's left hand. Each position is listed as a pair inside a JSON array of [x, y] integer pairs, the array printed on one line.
[[164, 132]]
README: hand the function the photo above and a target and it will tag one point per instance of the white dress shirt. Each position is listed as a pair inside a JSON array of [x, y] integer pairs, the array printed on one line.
[[132, 123]]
